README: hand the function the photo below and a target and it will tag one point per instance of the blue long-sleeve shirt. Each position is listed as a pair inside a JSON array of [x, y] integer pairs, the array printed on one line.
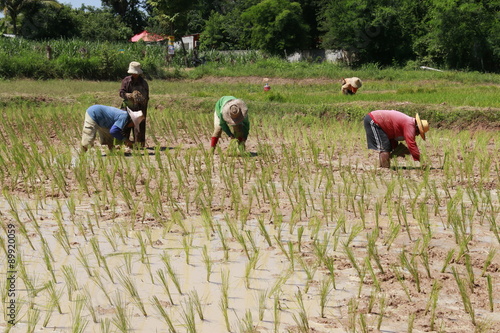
[[111, 118]]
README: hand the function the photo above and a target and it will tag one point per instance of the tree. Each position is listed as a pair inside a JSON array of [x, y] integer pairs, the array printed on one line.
[[99, 24], [44, 22], [276, 26], [458, 34], [14, 8], [129, 11], [222, 32]]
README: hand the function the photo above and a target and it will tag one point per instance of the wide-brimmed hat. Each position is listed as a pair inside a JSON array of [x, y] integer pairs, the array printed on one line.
[[134, 68], [423, 126], [234, 112], [355, 82], [137, 117]]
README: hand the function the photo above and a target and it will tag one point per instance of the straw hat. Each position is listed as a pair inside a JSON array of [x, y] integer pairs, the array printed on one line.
[[134, 68], [423, 126], [355, 82], [137, 117], [234, 112]]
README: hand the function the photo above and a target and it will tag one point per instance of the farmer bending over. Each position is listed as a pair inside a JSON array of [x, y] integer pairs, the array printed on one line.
[[350, 85], [384, 128], [230, 116], [109, 123]]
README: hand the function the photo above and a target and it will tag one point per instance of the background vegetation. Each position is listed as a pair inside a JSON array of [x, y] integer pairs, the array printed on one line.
[[450, 34]]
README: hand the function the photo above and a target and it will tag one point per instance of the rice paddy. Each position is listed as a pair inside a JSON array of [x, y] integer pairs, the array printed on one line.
[[302, 233]]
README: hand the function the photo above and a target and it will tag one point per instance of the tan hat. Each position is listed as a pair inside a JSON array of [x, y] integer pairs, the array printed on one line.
[[423, 126], [355, 82], [234, 112], [134, 68], [137, 117]]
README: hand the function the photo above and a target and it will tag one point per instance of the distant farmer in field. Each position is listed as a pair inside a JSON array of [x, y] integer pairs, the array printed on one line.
[[109, 123], [135, 93], [351, 85], [384, 128], [230, 116]]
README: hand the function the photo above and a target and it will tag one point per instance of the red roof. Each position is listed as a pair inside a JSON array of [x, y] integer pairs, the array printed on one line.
[[147, 37]]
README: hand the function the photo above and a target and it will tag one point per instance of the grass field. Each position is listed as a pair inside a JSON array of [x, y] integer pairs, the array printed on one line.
[[303, 234]]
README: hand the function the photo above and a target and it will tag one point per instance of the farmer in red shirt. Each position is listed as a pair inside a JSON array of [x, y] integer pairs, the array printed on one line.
[[384, 128]]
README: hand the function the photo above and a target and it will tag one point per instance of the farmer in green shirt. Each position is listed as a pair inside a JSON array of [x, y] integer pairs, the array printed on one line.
[[230, 116]]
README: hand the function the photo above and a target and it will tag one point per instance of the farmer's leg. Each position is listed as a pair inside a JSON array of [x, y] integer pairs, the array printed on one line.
[[217, 131], [378, 140], [105, 138], [141, 137], [88, 132]]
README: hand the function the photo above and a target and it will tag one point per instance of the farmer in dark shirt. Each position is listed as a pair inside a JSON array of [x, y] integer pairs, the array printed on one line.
[[135, 93]]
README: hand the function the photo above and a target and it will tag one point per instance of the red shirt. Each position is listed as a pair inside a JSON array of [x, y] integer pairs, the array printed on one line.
[[398, 126]]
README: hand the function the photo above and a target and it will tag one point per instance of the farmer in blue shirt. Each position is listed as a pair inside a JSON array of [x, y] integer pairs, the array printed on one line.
[[109, 123]]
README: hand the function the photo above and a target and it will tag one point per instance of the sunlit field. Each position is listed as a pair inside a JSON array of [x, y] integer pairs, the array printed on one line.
[[301, 233]]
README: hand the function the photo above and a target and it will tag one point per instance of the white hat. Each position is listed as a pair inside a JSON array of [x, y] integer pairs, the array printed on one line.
[[234, 112], [134, 68], [355, 82], [423, 126], [137, 117]]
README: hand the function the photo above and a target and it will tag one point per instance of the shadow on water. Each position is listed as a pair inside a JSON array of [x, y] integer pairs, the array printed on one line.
[[151, 151]]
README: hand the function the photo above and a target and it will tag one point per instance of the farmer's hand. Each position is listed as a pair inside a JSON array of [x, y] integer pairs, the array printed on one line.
[[400, 151]]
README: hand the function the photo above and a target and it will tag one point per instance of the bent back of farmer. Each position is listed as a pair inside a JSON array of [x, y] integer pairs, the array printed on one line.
[[230, 117]]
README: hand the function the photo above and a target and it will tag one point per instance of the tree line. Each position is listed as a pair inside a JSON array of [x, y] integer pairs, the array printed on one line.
[[450, 34]]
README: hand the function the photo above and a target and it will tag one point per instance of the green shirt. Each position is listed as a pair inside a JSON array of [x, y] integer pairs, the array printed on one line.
[[223, 124]]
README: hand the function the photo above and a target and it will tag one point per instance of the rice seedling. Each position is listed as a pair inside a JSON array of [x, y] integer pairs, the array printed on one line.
[[207, 261], [224, 298], [222, 239], [490, 293], [432, 303], [164, 282], [33, 316], [54, 295], [324, 292], [48, 313], [78, 323], [170, 270], [264, 231], [131, 288], [156, 302], [412, 267], [188, 316], [70, 280], [399, 276], [121, 319], [96, 278], [447, 260], [195, 300], [461, 283], [110, 237], [301, 318], [411, 319], [491, 254], [87, 297], [187, 243]]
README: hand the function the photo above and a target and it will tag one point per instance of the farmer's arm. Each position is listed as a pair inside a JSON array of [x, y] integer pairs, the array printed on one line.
[[124, 89], [225, 128], [412, 146], [117, 133], [246, 126]]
